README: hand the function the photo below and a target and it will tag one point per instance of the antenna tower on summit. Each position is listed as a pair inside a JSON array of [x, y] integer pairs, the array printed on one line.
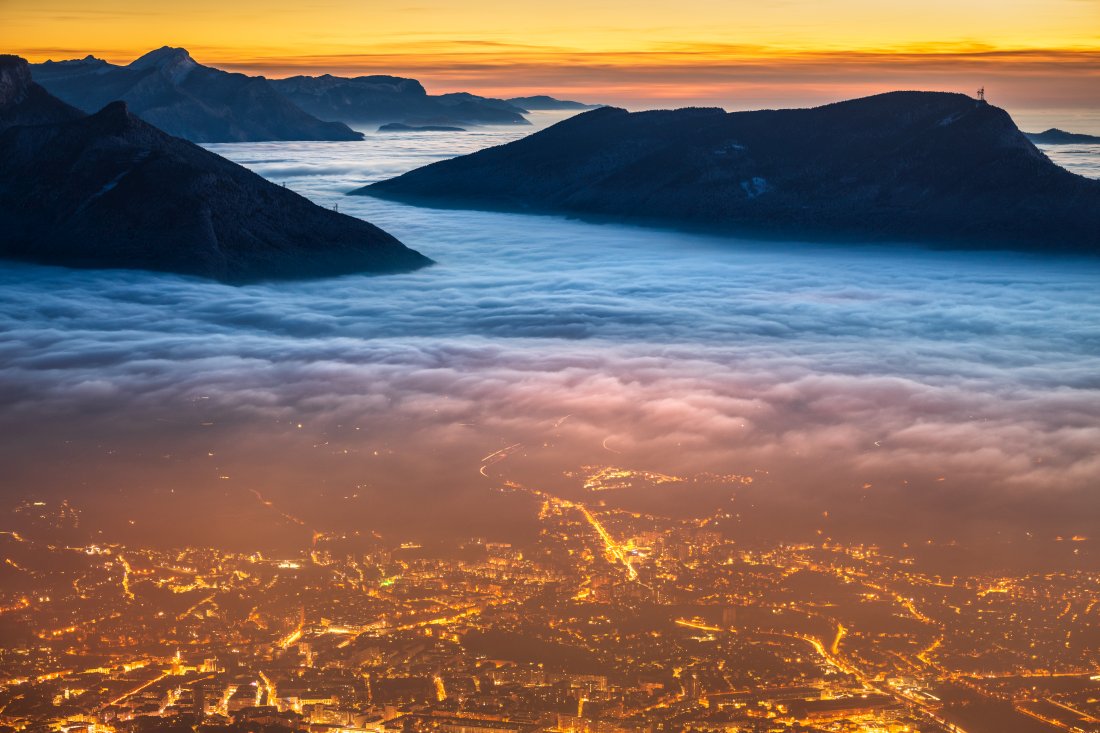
[[981, 94]]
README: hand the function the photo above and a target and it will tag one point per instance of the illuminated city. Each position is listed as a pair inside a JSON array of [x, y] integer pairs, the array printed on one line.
[[607, 620], [501, 366]]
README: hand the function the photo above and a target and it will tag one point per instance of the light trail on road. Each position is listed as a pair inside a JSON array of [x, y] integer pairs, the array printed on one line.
[[612, 546]]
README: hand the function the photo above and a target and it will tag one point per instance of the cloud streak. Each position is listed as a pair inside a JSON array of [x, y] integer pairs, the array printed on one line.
[[726, 75], [735, 76]]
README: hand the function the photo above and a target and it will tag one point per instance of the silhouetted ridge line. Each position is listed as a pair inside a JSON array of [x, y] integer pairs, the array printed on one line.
[[379, 99], [22, 102], [545, 102], [110, 190], [904, 166], [1054, 136], [169, 89]]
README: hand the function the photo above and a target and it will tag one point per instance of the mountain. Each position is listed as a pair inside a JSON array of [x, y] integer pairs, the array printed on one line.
[[110, 190], [373, 100], [401, 127], [541, 102], [1054, 136], [22, 102], [903, 166], [169, 89]]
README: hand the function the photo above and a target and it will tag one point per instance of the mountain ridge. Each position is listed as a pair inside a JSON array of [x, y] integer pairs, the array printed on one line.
[[22, 102], [1054, 136], [109, 190], [382, 99], [169, 89], [926, 167], [541, 102]]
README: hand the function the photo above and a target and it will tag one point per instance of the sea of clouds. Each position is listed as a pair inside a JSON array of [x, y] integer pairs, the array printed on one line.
[[837, 370]]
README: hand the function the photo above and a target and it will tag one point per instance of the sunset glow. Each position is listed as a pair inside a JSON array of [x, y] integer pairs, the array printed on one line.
[[1029, 52]]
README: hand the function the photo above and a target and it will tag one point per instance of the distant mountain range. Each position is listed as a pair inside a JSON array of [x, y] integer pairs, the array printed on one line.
[[402, 127], [110, 190], [172, 91], [168, 89], [370, 100], [541, 102], [1054, 136], [904, 166]]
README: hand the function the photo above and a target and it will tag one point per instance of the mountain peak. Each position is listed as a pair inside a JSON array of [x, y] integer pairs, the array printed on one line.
[[176, 62], [114, 118], [15, 79], [23, 102], [1056, 136], [160, 57]]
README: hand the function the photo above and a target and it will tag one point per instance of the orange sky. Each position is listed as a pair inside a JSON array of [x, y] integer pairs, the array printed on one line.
[[1028, 53]]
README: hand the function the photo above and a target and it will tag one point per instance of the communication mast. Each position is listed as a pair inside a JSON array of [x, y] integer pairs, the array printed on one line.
[[981, 94]]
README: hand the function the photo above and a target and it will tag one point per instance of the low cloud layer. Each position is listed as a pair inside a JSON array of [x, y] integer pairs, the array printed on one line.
[[829, 368]]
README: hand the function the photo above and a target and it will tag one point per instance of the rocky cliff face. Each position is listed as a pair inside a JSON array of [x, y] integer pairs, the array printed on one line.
[[169, 89], [110, 190], [904, 166], [15, 80], [22, 102]]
